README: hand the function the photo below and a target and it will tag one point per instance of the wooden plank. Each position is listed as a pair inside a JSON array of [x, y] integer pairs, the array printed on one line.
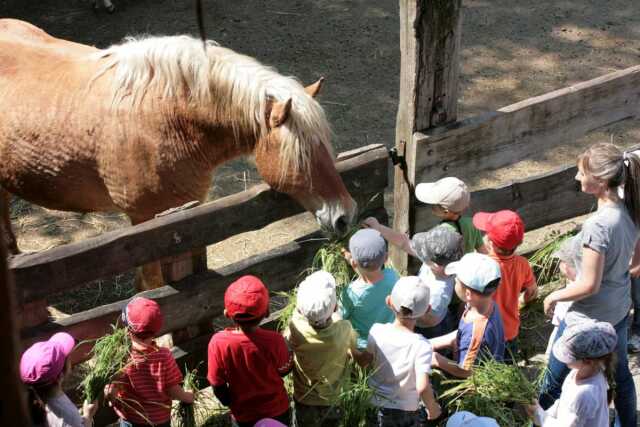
[[540, 200], [38, 275], [13, 406], [197, 298], [429, 49], [512, 133]]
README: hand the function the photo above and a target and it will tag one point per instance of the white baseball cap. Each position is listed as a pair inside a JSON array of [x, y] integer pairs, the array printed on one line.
[[449, 192], [410, 292], [475, 271], [467, 419], [316, 298]]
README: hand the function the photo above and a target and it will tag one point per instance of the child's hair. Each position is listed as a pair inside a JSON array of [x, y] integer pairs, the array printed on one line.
[[37, 397], [488, 290], [609, 362], [502, 251], [404, 313], [606, 162], [247, 324]]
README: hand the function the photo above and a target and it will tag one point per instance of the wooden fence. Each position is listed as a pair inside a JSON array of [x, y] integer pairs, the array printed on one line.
[[197, 298], [498, 139]]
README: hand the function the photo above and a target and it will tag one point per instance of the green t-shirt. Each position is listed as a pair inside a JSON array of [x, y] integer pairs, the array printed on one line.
[[320, 362], [471, 236]]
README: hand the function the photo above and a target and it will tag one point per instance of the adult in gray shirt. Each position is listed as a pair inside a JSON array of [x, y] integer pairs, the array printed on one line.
[[609, 241]]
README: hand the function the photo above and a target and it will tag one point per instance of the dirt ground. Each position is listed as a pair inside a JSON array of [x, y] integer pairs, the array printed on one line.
[[511, 50]]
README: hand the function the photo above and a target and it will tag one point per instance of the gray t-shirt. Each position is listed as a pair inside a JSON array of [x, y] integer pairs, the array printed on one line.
[[610, 231], [61, 412], [440, 291]]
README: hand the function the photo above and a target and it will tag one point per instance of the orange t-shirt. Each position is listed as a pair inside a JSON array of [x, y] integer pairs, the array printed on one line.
[[516, 276]]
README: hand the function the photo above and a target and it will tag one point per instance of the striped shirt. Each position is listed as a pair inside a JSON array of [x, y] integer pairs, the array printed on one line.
[[142, 397], [480, 337]]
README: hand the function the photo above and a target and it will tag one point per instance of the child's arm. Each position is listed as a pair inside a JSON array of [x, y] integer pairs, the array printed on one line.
[[361, 357], [176, 392], [396, 238], [423, 386], [530, 288], [444, 341], [449, 366]]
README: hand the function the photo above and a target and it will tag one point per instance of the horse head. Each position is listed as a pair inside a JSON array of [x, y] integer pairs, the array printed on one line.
[[294, 156]]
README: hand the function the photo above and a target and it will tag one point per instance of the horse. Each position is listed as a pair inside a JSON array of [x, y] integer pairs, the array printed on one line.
[[139, 127]]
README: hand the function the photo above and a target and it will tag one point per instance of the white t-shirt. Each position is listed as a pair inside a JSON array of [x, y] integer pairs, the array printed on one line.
[[61, 412], [582, 404], [399, 356]]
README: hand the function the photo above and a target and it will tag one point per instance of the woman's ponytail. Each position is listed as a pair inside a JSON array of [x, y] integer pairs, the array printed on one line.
[[631, 164]]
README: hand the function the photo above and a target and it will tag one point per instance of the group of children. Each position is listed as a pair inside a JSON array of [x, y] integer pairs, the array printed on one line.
[[400, 328]]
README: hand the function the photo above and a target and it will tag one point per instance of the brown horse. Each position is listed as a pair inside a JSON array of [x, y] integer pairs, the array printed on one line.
[[139, 127]]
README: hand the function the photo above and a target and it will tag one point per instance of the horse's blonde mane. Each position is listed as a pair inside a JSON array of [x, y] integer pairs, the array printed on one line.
[[234, 87]]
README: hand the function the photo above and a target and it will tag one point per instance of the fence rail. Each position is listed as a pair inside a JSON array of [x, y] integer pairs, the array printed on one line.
[[42, 274]]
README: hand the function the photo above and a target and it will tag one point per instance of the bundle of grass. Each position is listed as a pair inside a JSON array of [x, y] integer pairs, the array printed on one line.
[[192, 415], [494, 390], [543, 261], [110, 355], [330, 258], [355, 399]]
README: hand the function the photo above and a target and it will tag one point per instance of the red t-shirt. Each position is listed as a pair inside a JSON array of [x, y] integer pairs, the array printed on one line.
[[251, 364], [516, 276], [144, 384]]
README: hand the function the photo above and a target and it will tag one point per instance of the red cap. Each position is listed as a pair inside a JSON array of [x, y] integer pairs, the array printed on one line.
[[143, 317], [246, 299], [504, 228]]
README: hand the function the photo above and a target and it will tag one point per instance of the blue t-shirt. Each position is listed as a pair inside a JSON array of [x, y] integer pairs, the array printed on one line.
[[364, 304], [482, 337]]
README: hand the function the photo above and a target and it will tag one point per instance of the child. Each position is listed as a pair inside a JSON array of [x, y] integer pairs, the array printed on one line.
[[402, 358], [363, 301], [437, 248], [587, 347], [246, 362], [480, 332], [321, 345], [449, 197], [505, 231], [43, 366], [151, 379], [570, 256], [467, 419]]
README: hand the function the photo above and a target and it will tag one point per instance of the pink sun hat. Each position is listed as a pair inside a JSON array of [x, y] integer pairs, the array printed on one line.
[[43, 362]]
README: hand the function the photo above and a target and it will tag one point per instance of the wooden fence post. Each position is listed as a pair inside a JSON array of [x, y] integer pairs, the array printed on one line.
[[429, 48], [13, 410]]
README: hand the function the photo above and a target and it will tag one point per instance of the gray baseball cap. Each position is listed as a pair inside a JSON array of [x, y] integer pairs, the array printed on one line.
[[411, 293], [584, 338], [441, 245], [368, 248]]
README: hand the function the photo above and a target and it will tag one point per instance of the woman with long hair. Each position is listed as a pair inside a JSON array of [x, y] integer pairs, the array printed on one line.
[[609, 241]]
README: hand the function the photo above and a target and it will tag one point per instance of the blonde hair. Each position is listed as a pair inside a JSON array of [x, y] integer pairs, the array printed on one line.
[[606, 162]]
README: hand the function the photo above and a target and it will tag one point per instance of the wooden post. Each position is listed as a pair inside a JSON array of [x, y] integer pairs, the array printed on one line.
[[13, 409], [429, 48]]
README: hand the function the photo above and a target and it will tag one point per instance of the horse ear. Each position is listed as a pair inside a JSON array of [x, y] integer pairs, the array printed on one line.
[[314, 89], [279, 113]]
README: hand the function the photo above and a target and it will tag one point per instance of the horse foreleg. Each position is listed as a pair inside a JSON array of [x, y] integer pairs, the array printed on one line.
[[9, 237]]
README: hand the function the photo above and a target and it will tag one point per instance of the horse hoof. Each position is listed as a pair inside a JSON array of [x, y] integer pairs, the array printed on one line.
[[111, 8]]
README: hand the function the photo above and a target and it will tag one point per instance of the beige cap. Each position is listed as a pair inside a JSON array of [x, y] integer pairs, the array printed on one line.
[[450, 193]]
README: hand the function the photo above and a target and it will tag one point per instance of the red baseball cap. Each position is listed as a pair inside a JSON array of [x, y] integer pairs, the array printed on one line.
[[246, 299], [143, 317], [504, 228]]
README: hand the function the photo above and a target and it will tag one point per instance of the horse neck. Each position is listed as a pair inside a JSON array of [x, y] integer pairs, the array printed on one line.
[[210, 140]]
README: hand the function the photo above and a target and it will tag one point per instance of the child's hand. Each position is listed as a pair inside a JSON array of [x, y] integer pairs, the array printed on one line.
[[110, 391], [531, 409], [371, 222], [89, 409], [434, 412], [549, 305]]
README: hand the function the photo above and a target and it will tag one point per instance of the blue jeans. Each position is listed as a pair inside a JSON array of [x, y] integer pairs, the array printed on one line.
[[625, 400], [635, 296], [388, 417]]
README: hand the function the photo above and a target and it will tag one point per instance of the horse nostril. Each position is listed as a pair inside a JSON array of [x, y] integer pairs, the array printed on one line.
[[340, 226]]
